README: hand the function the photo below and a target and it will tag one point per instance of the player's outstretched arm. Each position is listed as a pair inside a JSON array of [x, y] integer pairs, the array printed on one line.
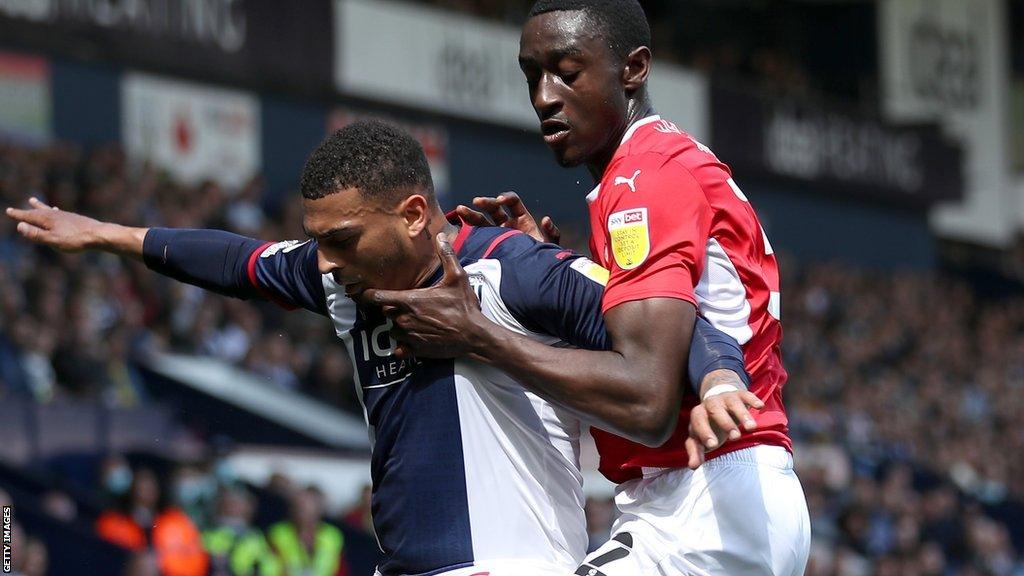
[[70, 232], [214, 260]]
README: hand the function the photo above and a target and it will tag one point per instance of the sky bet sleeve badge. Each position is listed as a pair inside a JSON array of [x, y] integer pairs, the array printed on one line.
[[630, 237]]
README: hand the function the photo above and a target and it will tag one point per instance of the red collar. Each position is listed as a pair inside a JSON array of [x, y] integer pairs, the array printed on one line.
[[464, 230]]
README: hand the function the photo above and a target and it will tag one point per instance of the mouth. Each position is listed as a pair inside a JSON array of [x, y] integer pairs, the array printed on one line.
[[555, 131]]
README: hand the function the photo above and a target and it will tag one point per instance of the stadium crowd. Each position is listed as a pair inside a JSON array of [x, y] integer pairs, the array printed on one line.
[[194, 520], [80, 319], [903, 385]]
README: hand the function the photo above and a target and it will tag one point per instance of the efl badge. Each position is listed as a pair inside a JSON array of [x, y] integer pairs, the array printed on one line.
[[591, 270], [630, 237]]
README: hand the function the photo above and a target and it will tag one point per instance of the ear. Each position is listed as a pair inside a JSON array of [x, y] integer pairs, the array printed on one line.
[[415, 210], [638, 66]]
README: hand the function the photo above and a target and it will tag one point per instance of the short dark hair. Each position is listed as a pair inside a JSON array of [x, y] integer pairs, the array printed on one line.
[[623, 22], [380, 160]]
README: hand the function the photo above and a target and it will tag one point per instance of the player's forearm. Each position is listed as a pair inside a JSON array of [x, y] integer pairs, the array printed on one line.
[[610, 391], [121, 240], [211, 259]]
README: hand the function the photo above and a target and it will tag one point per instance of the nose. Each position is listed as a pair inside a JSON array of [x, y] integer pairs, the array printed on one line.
[[546, 99], [326, 263]]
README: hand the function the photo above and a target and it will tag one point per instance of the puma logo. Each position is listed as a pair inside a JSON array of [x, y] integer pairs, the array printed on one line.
[[631, 182]]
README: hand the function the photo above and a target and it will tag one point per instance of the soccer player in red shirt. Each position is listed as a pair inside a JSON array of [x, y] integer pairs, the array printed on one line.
[[678, 238]]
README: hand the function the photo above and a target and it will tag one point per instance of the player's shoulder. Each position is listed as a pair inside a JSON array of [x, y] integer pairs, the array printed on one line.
[[482, 242], [525, 265], [287, 248], [660, 140], [507, 245], [656, 135]]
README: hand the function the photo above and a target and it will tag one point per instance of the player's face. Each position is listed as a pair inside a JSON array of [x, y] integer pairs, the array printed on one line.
[[575, 86], [360, 243]]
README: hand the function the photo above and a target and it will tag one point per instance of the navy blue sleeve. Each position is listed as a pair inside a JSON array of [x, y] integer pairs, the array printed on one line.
[[710, 350], [552, 291], [233, 265]]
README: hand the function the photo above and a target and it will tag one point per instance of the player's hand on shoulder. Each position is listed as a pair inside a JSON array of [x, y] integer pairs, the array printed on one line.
[[509, 211], [53, 227], [722, 416]]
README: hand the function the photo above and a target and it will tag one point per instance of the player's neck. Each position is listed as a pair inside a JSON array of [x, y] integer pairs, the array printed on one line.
[[637, 108], [432, 263]]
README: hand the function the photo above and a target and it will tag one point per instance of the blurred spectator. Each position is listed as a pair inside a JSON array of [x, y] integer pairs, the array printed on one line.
[[59, 505], [19, 554], [28, 555], [143, 519], [305, 544], [178, 545], [244, 214], [280, 484], [330, 376], [236, 547], [143, 564], [194, 492], [272, 358], [37, 559], [127, 524], [360, 515], [115, 476]]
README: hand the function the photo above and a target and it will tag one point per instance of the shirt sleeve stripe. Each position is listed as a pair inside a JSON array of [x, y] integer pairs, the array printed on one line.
[[251, 269], [494, 243]]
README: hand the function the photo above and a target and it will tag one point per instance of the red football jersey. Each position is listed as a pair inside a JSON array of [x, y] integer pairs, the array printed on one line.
[[667, 220]]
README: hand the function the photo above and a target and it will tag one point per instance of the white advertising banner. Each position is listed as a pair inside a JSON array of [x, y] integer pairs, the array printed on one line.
[[432, 59], [194, 132], [454, 64], [25, 115], [946, 61]]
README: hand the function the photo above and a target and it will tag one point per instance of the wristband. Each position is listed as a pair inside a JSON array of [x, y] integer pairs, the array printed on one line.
[[720, 389]]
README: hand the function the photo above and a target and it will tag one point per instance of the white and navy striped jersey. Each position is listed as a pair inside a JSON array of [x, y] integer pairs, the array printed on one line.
[[467, 465]]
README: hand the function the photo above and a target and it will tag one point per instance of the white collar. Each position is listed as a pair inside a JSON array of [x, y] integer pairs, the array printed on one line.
[[636, 125]]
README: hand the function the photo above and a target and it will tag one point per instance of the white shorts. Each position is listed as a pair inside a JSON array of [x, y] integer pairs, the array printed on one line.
[[743, 513]]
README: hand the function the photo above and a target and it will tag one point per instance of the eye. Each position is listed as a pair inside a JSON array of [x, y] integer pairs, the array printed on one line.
[[532, 78], [569, 77], [344, 242]]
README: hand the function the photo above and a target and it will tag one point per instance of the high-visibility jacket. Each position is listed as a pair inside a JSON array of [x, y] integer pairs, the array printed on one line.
[[244, 554], [119, 528], [178, 545], [173, 536], [325, 559]]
